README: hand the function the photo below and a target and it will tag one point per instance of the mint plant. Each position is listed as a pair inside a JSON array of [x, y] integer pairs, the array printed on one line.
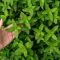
[[37, 27]]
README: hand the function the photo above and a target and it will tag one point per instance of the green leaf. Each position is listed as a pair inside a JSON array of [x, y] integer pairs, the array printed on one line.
[[56, 17], [47, 30], [22, 49], [25, 20], [49, 13], [54, 37], [55, 28], [29, 45], [56, 50], [42, 3]]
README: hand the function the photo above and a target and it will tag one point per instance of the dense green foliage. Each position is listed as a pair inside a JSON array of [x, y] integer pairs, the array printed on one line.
[[37, 28]]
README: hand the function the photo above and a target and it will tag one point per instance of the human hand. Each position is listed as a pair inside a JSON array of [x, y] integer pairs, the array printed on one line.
[[5, 36]]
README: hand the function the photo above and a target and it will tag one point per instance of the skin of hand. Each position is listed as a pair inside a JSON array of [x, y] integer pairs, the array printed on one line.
[[1, 23], [5, 36]]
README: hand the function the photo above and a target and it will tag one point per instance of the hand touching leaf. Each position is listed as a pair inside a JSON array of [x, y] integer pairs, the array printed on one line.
[[5, 36]]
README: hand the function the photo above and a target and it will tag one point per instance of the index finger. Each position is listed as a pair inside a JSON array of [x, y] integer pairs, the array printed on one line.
[[1, 23]]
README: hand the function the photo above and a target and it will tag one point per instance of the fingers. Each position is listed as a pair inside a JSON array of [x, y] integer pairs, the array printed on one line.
[[11, 25], [1, 23], [7, 38]]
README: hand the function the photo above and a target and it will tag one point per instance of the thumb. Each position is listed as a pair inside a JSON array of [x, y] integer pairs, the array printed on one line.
[[1, 23]]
